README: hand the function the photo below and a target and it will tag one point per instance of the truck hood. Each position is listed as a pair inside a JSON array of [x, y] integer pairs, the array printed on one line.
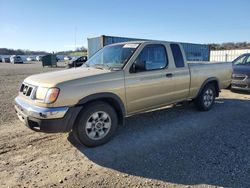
[[51, 79]]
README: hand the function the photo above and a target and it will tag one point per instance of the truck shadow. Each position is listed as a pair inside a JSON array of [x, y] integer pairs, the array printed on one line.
[[183, 146]]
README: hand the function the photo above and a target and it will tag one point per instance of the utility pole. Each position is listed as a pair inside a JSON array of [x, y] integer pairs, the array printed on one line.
[[75, 38]]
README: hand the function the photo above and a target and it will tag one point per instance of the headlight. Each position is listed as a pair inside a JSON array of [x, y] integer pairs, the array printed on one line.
[[41, 93], [51, 95]]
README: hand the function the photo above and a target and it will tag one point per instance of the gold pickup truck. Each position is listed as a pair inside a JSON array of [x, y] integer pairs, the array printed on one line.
[[120, 80]]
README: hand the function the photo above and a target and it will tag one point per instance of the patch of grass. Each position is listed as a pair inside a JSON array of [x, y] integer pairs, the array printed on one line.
[[78, 54]]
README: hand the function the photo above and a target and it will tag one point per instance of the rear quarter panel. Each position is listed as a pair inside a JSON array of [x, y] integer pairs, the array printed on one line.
[[200, 72]]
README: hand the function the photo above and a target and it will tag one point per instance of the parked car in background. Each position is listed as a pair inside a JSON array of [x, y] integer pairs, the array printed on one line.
[[1, 59], [39, 58], [30, 58], [66, 58], [15, 59], [241, 73], [6, 60], [77, 61], [120, 80]]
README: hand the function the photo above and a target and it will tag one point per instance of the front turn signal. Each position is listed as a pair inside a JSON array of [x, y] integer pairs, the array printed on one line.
[[52, 95]]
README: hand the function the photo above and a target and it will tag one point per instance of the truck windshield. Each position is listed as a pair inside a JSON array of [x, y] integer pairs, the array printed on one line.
[[112, 57]]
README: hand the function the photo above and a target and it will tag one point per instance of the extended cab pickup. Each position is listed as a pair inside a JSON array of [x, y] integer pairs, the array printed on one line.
[[120, 80]]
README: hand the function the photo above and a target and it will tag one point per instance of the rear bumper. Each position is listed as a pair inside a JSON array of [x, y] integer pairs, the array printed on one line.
[[51, 120], [243, 85]]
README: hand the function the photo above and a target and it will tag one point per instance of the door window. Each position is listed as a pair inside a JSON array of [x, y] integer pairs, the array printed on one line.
[[240, 60], [248, 60], [154, 56]]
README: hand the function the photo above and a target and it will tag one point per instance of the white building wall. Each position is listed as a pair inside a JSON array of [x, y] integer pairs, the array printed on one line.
[[226, 55]]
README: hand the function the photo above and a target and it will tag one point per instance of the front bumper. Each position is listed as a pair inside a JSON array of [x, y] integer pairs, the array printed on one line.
[[58, 119], [243, 85]]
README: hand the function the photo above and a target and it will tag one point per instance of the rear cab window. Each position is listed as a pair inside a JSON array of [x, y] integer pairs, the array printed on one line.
[[177, 55]]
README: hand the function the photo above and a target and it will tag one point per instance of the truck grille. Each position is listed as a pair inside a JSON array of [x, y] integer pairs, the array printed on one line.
[[239, 76], [27, 90]]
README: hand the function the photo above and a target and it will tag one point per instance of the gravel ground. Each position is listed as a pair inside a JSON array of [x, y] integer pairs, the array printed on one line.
[[11, 77], [173, 147]]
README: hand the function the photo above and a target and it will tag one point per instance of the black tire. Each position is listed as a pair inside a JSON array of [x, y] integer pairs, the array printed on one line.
[[204, 102], [229, 87], [80, 128]]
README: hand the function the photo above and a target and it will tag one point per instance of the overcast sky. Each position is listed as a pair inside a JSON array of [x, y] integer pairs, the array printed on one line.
[[51, 25]]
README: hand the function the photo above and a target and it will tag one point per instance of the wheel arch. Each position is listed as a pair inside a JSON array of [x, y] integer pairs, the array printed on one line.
[[212, 80], [110, 98]]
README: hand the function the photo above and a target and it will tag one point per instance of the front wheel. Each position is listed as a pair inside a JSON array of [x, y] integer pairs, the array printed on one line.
[[206, 98], [96, 124]]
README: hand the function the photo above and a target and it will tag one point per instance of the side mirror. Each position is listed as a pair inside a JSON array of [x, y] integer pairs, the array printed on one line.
[[138, 66]]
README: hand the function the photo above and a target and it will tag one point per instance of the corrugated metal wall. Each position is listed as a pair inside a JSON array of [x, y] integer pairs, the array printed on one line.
[[194, 52], [226, 55], [94, 44], [111, 40]]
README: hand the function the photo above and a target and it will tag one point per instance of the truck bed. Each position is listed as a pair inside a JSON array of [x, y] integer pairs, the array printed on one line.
[[200, 71]]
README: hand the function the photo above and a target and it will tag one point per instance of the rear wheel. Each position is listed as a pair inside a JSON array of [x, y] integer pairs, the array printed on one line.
[[96, 124], [206, 98]]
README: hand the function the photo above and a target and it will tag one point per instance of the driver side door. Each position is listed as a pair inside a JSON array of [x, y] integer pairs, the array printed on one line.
[[147, 88]]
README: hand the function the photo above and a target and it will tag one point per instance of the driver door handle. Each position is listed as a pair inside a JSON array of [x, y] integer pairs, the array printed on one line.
[[169, 75]]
